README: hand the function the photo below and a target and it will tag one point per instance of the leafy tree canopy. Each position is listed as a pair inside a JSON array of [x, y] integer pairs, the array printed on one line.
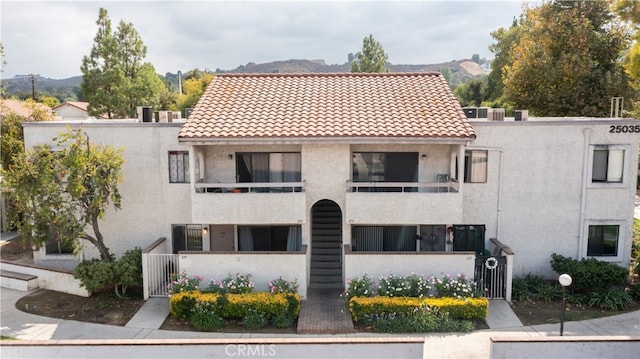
[[562, 59], [115, 78], [372, 58], [193, 87], [61, 193]]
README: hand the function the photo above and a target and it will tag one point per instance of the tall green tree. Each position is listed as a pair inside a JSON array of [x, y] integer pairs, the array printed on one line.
[[63, 194], [471, 93], [629, 10], [193, 87], [505, 40], [566, 60], [372, 58], [115, 77]]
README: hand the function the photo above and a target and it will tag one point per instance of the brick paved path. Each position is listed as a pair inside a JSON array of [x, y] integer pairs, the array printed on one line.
[[324, 312]]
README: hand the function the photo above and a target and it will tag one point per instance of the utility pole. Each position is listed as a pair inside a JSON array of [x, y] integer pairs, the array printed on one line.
[[33, 86]]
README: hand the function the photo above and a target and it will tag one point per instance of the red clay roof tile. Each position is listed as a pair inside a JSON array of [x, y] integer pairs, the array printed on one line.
[[399, 105]]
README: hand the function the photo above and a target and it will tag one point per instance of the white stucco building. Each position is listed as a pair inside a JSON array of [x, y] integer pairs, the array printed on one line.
[[324, 177]]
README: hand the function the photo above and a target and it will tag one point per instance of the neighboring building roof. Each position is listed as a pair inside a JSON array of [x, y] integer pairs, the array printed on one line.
[[81, 105], [20, 108], [346, 105]]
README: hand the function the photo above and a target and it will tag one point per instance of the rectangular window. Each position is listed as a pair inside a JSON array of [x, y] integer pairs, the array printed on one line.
[[269, 238], [178, 167], [433, 238], [608, 165], [469, 238], [475, 166], [264, 167], [187, 237], [55, 246], [385, 167], [383, 238], [603, 240]]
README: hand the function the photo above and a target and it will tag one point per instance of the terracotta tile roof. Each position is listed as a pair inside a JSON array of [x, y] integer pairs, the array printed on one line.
[[346, 105]]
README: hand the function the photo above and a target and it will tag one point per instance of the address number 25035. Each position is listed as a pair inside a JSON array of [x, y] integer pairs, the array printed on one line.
[[624, 129]]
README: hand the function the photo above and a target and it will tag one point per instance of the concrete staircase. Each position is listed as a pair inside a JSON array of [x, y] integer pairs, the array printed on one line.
[[326, 246]]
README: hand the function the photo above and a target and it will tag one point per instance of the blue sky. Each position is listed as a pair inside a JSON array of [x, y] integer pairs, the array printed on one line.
[[50, 38]]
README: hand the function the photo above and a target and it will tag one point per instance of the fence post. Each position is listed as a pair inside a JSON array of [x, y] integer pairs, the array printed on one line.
[[145, 275]]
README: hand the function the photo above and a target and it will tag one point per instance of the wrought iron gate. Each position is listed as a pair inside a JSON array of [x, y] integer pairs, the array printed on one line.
[[491, 275]]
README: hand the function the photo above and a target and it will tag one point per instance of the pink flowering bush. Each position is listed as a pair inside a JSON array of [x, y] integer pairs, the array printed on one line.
[[235, 284], [281, 285], [182, 283], [458, 287]]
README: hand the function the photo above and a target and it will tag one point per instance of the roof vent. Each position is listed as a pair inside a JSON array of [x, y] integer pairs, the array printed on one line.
[[617, 106], [495, 114], [521, 115], [471, 112]]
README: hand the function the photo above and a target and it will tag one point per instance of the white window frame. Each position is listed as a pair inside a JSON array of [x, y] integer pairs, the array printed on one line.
[[625, 165], [184, 168], [472, 176], [622, 239]]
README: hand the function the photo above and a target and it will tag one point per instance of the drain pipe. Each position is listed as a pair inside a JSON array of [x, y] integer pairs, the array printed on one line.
[[583, 199]]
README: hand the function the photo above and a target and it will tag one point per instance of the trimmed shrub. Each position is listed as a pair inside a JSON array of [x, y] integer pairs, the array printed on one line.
[[182, 305], [466, 308], [235, 284], [590, 273], [94, 274], [254, 320]]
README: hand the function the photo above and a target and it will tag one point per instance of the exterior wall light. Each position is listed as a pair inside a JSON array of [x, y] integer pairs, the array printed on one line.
[[230, 156], [205, 230]]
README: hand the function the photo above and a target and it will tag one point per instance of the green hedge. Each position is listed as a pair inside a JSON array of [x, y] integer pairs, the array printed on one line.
[[465, 308], [235, 306]]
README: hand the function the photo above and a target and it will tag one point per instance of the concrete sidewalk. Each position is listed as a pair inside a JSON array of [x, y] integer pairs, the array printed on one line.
[[20, 325]]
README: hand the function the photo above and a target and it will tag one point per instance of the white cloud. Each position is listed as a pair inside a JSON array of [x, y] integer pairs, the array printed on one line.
[[50, 38]]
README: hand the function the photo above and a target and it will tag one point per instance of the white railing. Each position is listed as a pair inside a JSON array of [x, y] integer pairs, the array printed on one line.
[[269, 187], [432, 187], [161, 270]]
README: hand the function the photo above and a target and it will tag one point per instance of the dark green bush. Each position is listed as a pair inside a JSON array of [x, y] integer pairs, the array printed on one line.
[[525, 287], [254, 319], [422, 320], [127, 271], [207, 321], [282, 320], [634, 291], [589, 273], [616, 299], [94, 275]]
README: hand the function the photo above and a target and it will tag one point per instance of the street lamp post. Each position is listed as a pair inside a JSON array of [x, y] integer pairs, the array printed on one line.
[[565, 281]]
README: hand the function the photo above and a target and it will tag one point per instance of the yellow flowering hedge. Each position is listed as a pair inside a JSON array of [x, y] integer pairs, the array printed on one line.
[[236, 305], [465, 308]]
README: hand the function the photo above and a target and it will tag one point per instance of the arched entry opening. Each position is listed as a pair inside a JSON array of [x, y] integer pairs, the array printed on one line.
[[326, 245]]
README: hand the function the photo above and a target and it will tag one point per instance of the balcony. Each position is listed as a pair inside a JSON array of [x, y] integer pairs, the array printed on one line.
[[403, 202], [249, 203]]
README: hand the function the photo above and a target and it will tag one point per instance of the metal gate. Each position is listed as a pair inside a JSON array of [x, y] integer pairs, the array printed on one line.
[[491, 275], [161, 268]]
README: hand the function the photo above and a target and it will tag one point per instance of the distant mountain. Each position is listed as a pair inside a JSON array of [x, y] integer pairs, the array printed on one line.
[[456, 72], [21, 86]]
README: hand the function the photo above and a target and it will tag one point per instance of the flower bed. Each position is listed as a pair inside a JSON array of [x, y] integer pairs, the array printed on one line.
[[233, 299], [415, 303]]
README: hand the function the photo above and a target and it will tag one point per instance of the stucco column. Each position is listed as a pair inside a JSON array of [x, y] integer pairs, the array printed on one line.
[[460, 174]]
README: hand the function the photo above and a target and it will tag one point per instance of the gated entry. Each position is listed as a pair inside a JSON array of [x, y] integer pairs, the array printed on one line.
[[491, 274], [160, 270]]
